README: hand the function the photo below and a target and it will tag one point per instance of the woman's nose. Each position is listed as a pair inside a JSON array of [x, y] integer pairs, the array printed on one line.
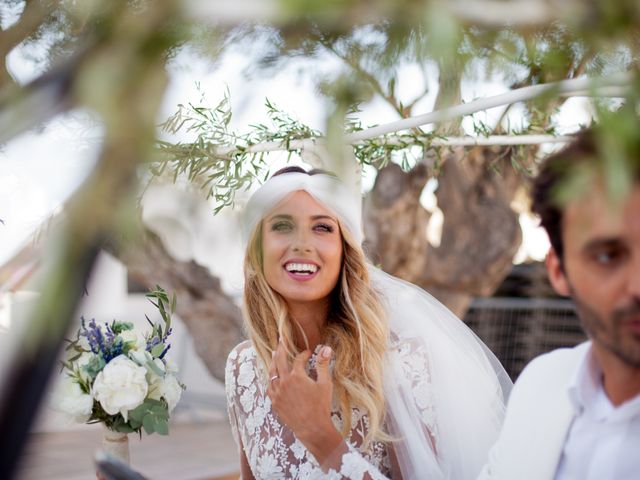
[[301, 242]]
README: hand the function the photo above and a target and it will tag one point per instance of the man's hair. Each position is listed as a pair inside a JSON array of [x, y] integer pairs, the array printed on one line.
[[585, 155], [553, 173]]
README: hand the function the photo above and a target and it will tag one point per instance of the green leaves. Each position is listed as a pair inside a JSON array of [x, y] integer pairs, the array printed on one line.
[[166, 308], [220, 160], [119, 327], [152, 415], [95, 365]]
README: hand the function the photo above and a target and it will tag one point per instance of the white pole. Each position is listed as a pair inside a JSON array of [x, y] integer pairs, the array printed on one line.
[[583, 86]]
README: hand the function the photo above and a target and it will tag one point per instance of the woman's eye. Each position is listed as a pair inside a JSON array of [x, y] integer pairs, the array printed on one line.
[[281, 226], [323, 227]]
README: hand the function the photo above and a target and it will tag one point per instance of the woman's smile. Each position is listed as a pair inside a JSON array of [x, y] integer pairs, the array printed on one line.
[[301, 270]]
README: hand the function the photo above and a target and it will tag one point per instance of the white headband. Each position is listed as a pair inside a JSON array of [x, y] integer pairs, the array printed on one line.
[[326, 189]]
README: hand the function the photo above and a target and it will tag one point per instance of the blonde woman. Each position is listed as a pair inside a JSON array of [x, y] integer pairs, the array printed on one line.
[[349, 372]]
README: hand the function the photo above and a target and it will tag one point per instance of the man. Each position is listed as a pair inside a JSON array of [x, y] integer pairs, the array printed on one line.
[[575, 413]]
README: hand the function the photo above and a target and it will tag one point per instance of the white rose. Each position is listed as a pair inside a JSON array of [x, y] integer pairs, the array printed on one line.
[[72, 401], [168, 388], [121, 386], [135, 339], [172, 391]]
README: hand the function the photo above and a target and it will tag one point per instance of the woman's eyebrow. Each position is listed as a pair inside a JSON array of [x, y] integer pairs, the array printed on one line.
[[280, 216], [284, 216], [323, 217]]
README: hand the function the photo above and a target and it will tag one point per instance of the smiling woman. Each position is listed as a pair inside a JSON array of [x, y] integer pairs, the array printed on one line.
[[349, 372], [302, 251]]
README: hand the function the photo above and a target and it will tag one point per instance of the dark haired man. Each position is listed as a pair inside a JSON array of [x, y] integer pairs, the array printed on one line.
[[575, 413]]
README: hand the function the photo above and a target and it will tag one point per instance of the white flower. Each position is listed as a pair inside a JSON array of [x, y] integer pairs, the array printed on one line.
[[135, 339], [246, 374], [121, 386], [259, 414], [166, 387], [353, 466], [83, 343], [170, 365], [246, 400], [84, 359], [171, 391], [298, 449], [81, 362], [268, 467], [72, 401]]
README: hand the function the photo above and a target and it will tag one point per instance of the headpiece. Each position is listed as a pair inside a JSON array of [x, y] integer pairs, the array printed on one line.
[[326, 189]]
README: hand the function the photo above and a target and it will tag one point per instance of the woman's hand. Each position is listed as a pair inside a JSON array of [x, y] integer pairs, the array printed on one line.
[[304, 404]]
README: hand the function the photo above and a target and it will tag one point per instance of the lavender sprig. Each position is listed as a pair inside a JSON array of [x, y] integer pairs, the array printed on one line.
[[94, 336]]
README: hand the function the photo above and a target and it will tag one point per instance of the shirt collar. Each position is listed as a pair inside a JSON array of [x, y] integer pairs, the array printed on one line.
[[586, 383], [586, 391]]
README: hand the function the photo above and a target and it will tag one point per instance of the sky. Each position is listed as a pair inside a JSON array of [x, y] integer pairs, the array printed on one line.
[[41, 168]]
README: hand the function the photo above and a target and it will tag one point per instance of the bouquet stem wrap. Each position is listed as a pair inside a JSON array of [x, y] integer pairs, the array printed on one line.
[[116, 444]]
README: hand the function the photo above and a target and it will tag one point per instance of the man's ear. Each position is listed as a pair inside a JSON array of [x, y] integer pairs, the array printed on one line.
[[556, 273]]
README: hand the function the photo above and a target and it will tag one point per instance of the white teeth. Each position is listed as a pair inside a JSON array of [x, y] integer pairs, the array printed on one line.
[[301, 267]]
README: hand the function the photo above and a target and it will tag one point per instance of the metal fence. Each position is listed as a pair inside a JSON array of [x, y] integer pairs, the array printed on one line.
[[519, 329]]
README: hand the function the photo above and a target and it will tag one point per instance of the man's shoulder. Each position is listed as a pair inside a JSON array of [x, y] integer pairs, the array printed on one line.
[[557, 365]]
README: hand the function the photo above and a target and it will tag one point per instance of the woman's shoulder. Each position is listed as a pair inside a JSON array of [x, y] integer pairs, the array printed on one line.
[[241, 353]]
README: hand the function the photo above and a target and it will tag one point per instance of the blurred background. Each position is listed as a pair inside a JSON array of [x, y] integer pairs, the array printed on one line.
[[132, 133]]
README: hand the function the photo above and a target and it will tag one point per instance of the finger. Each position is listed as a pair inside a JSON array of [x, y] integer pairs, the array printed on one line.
[[322, 365], [273, 369], [281, 362], [273, 377], [300, 362]]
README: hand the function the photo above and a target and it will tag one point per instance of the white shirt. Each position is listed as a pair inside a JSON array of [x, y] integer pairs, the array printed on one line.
[[603, 441]]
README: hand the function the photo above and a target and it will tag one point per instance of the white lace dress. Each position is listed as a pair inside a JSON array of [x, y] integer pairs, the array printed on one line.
[[271, 449]]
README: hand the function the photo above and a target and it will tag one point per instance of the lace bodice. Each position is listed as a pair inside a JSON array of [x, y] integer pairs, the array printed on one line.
[[272, 450]]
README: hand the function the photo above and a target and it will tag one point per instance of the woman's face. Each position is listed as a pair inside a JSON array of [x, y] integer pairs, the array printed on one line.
[[302, 249]]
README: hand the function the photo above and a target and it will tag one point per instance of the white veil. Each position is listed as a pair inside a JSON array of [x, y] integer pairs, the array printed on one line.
[[445, 421]]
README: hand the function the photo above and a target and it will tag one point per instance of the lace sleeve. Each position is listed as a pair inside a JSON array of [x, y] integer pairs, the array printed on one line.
[[353, 466], [234, 380]]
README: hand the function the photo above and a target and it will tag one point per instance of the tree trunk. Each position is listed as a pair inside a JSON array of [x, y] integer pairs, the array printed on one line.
[[211, 316], [480, 234]]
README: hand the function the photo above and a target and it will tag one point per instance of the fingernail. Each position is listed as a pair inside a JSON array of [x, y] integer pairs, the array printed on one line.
[[326, 352], [273, 353]]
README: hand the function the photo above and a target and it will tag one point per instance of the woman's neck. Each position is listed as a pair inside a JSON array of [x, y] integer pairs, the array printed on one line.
[[310, 318]]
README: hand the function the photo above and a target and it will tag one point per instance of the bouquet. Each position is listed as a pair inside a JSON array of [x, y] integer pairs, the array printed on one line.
[[121, 377]]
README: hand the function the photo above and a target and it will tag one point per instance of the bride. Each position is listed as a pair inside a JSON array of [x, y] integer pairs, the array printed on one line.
[[349, 372]]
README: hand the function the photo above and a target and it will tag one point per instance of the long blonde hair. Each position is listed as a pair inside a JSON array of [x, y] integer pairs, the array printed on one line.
[[356, 330]]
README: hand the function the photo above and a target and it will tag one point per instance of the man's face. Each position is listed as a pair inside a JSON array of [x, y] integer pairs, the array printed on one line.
[[602, 270]]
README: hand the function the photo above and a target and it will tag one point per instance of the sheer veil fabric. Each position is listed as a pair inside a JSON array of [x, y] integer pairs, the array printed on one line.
[[445, 405]]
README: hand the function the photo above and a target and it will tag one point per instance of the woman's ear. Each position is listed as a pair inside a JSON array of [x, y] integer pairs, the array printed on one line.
[[557, 275]]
